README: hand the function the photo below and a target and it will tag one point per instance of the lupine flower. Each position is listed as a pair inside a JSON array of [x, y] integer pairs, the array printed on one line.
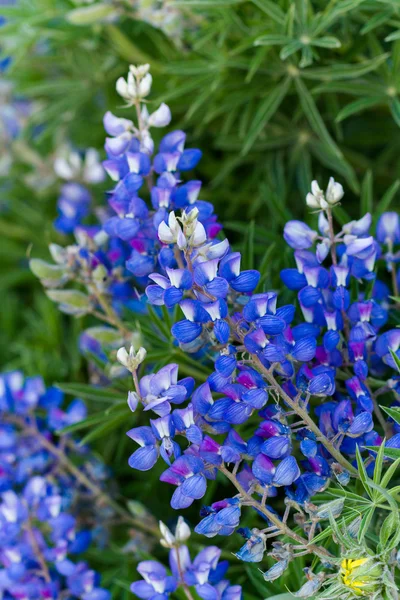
[[36, 497]]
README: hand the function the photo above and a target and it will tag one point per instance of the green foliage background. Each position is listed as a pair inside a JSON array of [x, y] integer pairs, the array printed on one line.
[[275, 93]]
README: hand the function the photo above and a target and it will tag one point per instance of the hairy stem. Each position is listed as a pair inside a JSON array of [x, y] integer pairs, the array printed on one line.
[[303, 414], [36, 550], [283, 528], [185, 587], [331, 235]]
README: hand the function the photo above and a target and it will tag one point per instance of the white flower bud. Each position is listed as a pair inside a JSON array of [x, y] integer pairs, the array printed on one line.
[[144, 86], [131, 360], [182, 533], [334, 192], [317, 199], [140, 70], [161, 117]]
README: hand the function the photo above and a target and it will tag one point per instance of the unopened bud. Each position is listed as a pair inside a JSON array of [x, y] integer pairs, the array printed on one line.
[[131, 360]]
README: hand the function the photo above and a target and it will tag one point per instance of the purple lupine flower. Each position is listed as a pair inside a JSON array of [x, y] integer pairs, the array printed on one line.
[[220, 518], [187, 472], [156, 583]]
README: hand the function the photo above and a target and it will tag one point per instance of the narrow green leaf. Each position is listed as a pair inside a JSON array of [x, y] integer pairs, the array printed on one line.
[[390, 452], [367, 193], [84, 424], [392, 412], [314, 118], [386, 199], [378, 466], [327, 41], [393, 36], [358, 106], [110, 425], [271, 40], [90, 392], [380, 18], [362, 471], [396, 359], [271, 9], [392, 470], [290, 49], [266, 110], [344, 71], [365, 523], [395, 110]]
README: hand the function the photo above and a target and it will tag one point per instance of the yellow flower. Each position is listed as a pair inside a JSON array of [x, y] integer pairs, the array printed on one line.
[[360, 580]]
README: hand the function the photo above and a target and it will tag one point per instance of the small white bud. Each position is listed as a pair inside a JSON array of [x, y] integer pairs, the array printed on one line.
[[182, 533], [131, 360], [144, 86], [334, 192]]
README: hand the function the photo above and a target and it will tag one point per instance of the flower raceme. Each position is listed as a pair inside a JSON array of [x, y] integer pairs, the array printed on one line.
[[288, 401]]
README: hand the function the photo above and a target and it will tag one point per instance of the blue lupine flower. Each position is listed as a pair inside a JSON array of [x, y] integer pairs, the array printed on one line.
[[187, 472], [254, 548], [220, 518], [388, 228], [156, 583], [159, 390], [146, 456]]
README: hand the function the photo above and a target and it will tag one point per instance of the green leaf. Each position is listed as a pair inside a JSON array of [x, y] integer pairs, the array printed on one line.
[[358, 106], [396, 359], [393, 412], [362, 472], [71, 302], [393, 36], [390, 471], [395, 110], [271, 40], [271, 9], [367, 193], [89, 15], [386, 530], [386, 199], [110, 424], [327, 41], [314, 118], [365, 523], [49, 274], [380, 18], [290, 49], [265, 111], [344, 71], [390, 452], [90, 392]]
